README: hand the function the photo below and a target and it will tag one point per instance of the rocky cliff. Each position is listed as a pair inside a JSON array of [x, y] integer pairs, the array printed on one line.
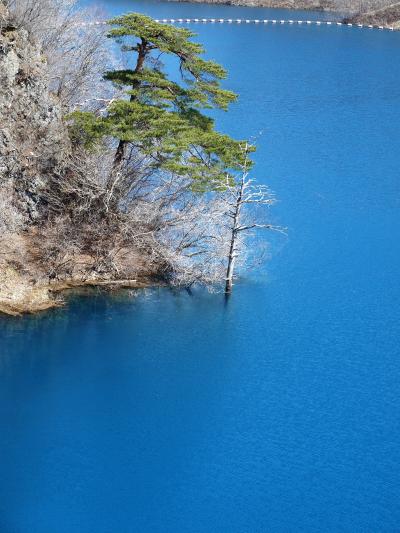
[[387, 16], [33, 142], [33, 139]]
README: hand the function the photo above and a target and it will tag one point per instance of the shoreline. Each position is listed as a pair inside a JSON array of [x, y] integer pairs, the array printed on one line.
[[41, 298], [303, 5], [387, 17]]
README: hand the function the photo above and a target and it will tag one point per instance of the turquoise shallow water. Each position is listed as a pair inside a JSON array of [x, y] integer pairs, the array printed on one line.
[[170, 412]]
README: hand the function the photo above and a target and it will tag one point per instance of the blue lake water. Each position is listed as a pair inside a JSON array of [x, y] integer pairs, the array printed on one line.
[[169, 412]]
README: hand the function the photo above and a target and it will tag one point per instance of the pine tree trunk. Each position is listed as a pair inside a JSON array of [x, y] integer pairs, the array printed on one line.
[[119, 154], [142, 53]]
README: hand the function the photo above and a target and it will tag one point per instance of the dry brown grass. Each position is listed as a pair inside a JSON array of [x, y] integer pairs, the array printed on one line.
[[26, 285]]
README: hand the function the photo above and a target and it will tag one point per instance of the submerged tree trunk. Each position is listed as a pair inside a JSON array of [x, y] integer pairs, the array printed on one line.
[[231, 268], [234, 235]]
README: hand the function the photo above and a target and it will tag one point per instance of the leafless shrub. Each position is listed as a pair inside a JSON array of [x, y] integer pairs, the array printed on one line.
[[77, 65], [199, 238], [41, 15], [76, 50], [183, 232]]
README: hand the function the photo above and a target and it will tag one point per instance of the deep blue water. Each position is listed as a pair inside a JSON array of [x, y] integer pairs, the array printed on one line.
[[169, 412]]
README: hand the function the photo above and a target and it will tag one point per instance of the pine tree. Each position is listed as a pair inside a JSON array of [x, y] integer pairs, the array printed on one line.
[[164, 119]]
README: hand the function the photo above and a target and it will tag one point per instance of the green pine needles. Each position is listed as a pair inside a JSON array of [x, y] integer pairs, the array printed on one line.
[[161, 118]]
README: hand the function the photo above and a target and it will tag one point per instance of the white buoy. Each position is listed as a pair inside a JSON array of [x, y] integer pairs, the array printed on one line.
[[256, 21]]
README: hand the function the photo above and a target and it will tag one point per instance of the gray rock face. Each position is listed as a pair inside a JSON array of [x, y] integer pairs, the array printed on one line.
[[33, 138]]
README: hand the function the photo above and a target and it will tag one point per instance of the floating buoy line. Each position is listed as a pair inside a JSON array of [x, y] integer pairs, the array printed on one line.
[[257, 21]]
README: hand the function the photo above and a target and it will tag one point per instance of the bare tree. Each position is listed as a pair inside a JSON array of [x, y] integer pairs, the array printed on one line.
[[241, 194]]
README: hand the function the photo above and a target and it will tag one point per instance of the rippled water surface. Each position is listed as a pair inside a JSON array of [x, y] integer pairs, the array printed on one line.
[[169, 412]]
